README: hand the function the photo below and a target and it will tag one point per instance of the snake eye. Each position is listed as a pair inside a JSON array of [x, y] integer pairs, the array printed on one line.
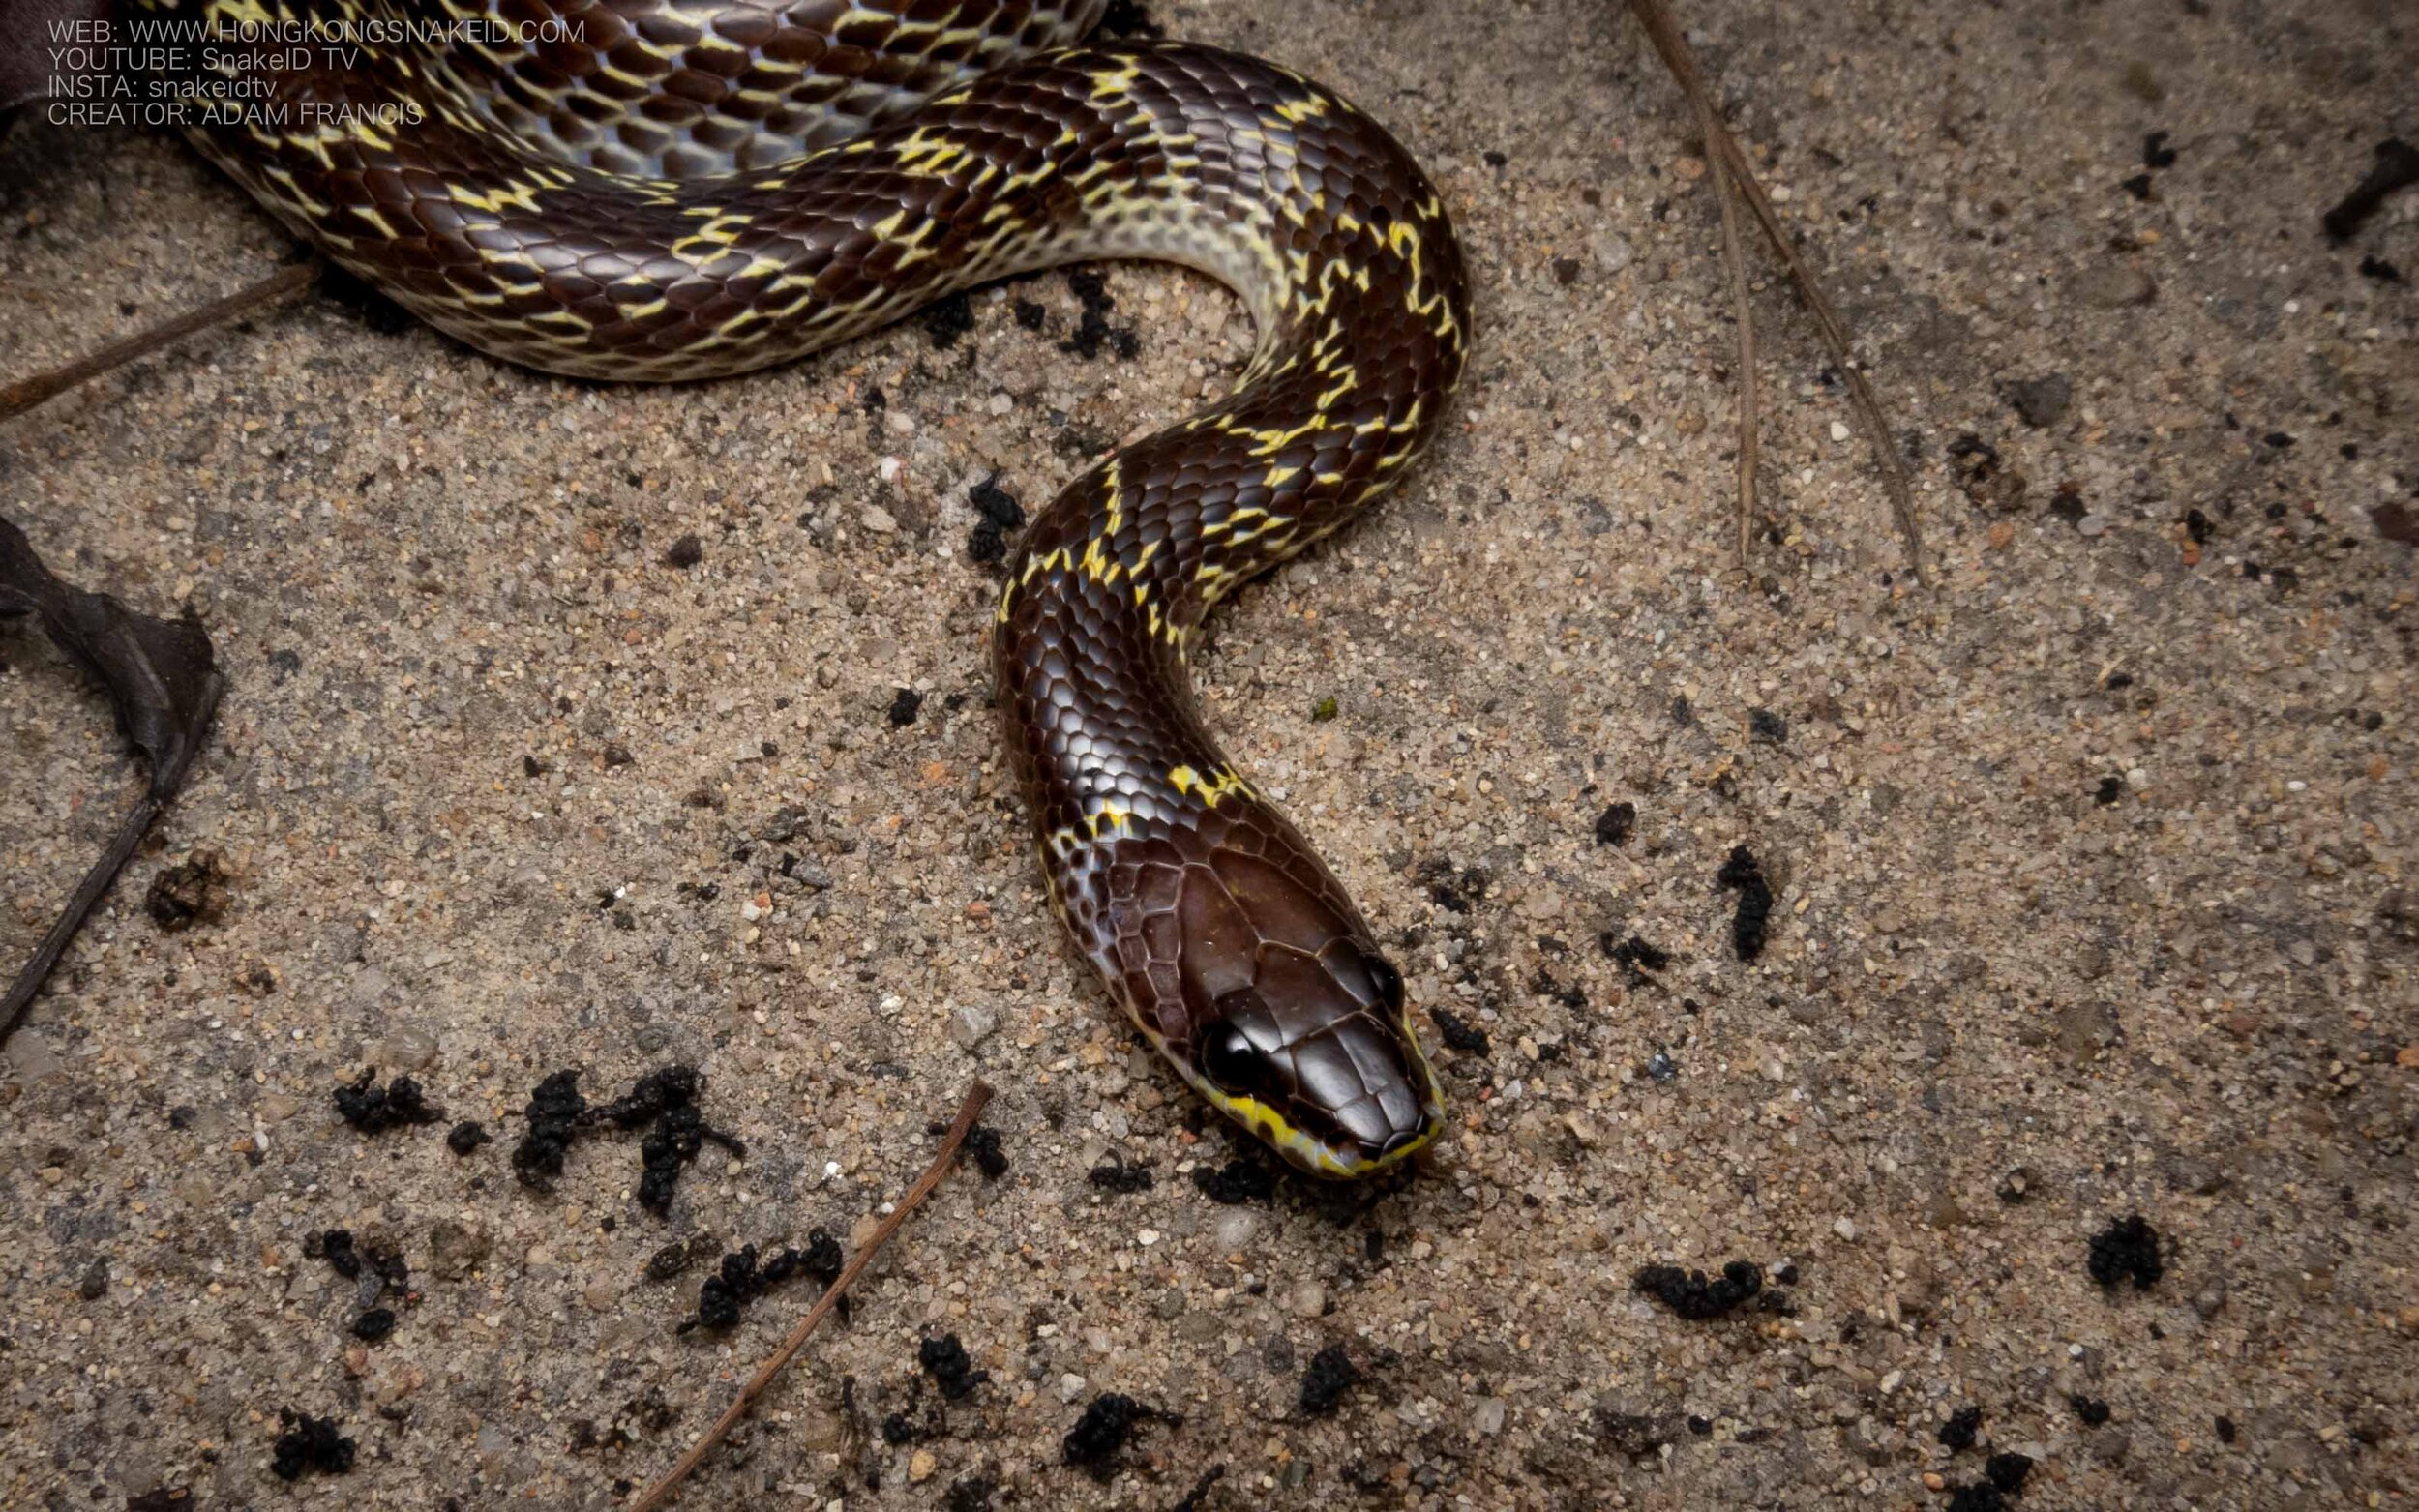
[[1230, 1060], [1389, 981]]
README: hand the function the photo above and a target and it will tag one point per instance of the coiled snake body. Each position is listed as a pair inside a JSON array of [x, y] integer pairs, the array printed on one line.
[[686, 188]]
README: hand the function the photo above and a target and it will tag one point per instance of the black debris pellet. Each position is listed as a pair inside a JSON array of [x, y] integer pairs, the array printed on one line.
[[2225, 1429], [1331, 1374], [823, 1260], [2397, 168], [737, 1282], [945, 320], [973, 1494], [2091, 1409], [2008, 1471], [309, 1444], [2385, 271], [1980, 1497], [555, 1111], [2156, 152], [1767, 726], [1616, 824], [1236, 1181], [467, 1137], [2140, 186], [192, 892], [1098, 1439], [898, 1429], [1692, 1296], [336, 1247], [2128, 1248], [997, 514], [1459, 1033], [995, 504], [1958, 1432], [1115, 1175], [1636, 956], [370, 1107], [989, 1157], [666, 1101], [1028, 315], [1755, 901], [687, 551], [944, 1359], [672, 1143], [2110, 790], [375, 1324], [903, 708], [1092, 330]]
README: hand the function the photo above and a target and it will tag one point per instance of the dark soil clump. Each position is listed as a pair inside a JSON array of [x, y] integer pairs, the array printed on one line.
[[1693, 1296], [1096, 1443], [372, 1108], [1331, 1374], [309, 1444], [2127, 1248], [1755, 901], [1236, 1181]]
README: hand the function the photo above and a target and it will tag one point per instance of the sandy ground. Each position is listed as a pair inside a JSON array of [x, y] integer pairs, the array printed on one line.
[[2086, 858]]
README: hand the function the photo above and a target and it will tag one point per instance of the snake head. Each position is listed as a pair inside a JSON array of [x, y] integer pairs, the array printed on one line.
[[1289, 1019]]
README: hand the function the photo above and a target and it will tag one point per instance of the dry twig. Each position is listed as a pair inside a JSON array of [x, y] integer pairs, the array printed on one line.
[[1664, 32], [1734, 256], [958, 1127], [23, 395]]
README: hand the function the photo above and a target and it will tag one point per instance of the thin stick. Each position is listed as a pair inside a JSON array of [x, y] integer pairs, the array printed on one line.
[[1751, 442], [130, 834], [23, 395], [958, 1127], [1664, 33]]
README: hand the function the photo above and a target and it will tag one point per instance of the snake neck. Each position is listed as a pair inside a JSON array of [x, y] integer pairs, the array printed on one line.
[[1342, 250], [1189, 890]]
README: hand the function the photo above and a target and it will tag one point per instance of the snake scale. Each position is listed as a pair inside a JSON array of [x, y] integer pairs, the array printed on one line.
[[655, 190]]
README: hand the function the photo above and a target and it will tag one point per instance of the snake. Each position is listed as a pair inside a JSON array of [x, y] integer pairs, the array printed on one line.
[[675, 190]]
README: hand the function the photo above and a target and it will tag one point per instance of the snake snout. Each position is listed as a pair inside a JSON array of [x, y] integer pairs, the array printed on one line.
[[1375, 1093], [1321, 1044]]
